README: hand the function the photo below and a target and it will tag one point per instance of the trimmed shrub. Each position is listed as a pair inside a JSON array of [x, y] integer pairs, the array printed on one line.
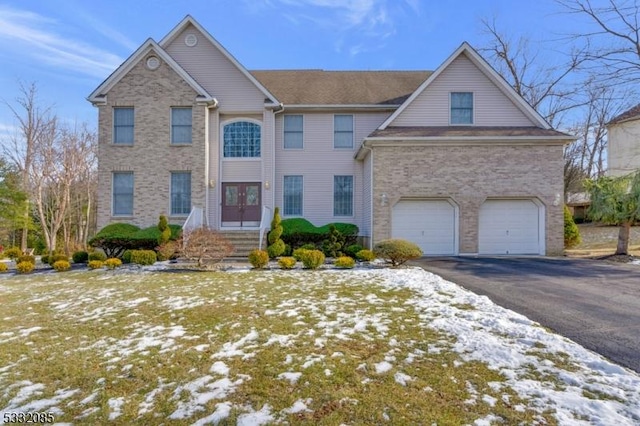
[[126, 256], [3, 267], [97, 255], [25, 267], [95, 264], [571, 232], [344, 262], [56, 257], [396, 251], [297, 253], [26, 258], [312, 259], [61, 265], [44, 259], [299, 231], [258, 258], [80, 256], [13, 253], [352, 250], [165, 231], [166, 251], [287, 262], [365, 255], [143, 257], [112, 263], [115, 238], [287, 250], [332, 246], [276, 249]]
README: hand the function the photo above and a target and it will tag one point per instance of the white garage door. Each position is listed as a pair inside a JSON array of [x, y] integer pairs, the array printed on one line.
[[509, 227], [431, 224]]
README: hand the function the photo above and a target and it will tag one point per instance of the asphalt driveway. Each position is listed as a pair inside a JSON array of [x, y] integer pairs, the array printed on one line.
[[594, 303]]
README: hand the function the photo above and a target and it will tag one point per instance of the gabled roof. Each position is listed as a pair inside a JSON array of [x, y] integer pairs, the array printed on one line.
[[188, 20], [320, 87], [98, 95], [628, 115], [466, 49]]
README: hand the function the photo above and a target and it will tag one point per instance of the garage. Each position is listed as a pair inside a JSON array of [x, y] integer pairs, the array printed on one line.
[[431, 224], [511, 227]]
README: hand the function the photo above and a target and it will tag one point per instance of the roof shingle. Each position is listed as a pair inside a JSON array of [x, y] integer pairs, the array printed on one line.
[[627, 115]]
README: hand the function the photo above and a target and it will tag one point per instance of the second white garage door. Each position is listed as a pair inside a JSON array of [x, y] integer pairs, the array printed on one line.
[[431, 224], [509, 227]]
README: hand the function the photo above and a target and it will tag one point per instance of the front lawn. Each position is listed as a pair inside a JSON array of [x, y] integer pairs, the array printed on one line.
[[304, 347]]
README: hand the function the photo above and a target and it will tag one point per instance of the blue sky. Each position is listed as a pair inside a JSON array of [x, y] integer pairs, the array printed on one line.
[[69, 47]]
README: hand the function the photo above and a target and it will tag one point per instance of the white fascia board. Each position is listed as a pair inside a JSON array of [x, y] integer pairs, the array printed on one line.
[[190, 20]]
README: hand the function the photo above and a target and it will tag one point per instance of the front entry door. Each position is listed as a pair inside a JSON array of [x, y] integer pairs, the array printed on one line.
[[241, 204]]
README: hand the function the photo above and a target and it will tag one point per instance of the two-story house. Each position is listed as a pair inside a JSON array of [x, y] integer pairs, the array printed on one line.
[[453, 160]]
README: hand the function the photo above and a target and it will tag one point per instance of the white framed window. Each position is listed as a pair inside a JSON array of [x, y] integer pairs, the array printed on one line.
[[343, 131], [122, 195], [293, 132], [241, 139], [123, 119], [292, 197], [181, 125], [343, 195], [461, 108], [180, 193]]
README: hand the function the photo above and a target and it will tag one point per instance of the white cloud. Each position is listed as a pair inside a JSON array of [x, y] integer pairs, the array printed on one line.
[[42, 39]]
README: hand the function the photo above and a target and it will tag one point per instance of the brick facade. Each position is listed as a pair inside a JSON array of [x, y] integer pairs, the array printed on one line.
[[151, 157], [469, 175]]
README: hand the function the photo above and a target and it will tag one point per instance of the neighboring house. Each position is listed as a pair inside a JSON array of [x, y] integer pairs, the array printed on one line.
[[578, 204], [453, 159], [624, 143]]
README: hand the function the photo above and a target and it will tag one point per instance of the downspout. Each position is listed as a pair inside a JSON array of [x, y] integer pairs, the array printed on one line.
[[210, 105]]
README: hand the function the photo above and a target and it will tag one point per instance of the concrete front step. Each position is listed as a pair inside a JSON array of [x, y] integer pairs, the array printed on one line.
[[244, 241]]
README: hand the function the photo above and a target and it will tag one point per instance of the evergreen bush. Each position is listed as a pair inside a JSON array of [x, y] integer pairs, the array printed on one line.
[[397, 251], [258, 258], [287, 262], [365, 255], [61, 265], [344, 262], [25, 267], [112, 263], [97, 255], [80, 256], [143, 257], [95, 264], [312, 259], [571, 231]]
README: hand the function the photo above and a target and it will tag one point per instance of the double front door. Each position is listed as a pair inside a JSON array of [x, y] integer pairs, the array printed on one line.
[[241, 203]]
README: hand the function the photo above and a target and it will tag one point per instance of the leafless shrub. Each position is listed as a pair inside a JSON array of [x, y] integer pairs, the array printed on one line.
[[204, 246]]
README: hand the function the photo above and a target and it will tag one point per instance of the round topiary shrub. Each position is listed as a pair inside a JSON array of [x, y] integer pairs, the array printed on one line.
[[126, 256], [365, 255], [13, 253], [26, 258], [112, 263], [258, 258], [287, 262], [95, 264], [97, 255], [396, 251], [344, 262], [353, 250], [24, 267], [276, 249], [3, 267], [44, 259], [143, 257], [56, 257], [312, 259], [299, 252], [61, 265], [80, 256]]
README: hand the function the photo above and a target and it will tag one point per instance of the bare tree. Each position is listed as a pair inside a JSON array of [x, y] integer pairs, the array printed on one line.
[[613, 40], [33, 123]]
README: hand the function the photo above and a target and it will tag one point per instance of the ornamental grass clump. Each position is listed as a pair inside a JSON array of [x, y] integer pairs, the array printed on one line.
[[344, 262], [287, 262], [61, 265], [396, 251], [258, 258]]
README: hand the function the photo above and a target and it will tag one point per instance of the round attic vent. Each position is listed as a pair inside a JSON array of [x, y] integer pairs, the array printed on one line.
[[153, 62], [191, 40]]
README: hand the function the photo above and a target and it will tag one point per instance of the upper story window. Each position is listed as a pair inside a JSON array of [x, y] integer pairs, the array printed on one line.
[[241, 139], [461, 108], [123, 126], [181, 126], [293, 132], [343, 131]]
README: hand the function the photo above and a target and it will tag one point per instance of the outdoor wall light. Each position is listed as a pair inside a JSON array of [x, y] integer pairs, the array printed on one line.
[[212, 183], [267, 185], [384, 200], [556, 201]]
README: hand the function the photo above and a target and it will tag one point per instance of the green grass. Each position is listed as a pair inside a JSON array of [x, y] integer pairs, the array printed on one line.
[[109, 335]]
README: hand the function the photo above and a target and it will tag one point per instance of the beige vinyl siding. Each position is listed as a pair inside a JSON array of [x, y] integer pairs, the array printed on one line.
[[242, 170], [491, 106], [318, 162], [624, 149], [213, 71]]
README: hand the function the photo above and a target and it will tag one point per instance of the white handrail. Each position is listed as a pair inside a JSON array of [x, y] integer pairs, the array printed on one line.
[[194, 220], [265, 223]]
